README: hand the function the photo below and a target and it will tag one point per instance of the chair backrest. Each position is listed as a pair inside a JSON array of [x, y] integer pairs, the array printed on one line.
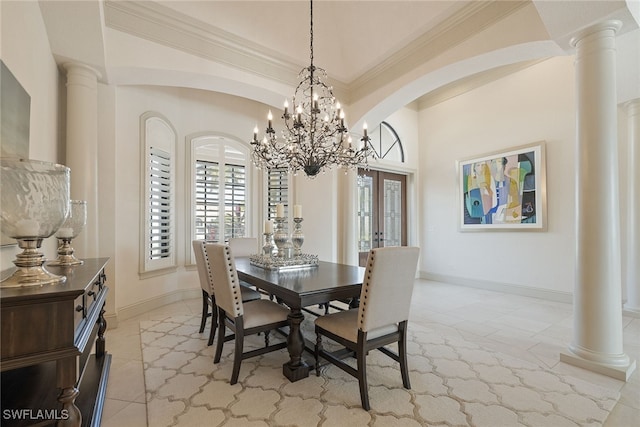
[[224, 278], [243, 246], [203, 273], [385, 298]]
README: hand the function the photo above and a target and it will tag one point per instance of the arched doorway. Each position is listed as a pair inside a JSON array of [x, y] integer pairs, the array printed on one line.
[[382, 197]]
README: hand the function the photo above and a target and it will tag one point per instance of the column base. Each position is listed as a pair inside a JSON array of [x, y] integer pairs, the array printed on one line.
[[620, 371], [631, 311]]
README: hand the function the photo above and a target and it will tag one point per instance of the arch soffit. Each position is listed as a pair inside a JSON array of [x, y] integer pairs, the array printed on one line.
[[381, 104]]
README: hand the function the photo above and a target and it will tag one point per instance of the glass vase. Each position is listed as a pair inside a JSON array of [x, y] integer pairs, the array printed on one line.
[[34, 204]]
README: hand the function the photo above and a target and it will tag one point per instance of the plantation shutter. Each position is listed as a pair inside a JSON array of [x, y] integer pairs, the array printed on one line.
[[159, 204]]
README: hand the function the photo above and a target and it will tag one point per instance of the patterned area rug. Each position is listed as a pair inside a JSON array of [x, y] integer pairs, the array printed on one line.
[[454, 383]]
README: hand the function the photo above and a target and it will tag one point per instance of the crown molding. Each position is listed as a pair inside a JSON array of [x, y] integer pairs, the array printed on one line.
[[472, 19], [165, 26]]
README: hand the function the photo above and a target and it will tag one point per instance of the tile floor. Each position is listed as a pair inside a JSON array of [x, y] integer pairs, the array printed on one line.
[[528, 328]]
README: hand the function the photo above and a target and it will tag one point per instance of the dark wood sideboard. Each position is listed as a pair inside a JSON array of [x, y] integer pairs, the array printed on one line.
[[49, 374]]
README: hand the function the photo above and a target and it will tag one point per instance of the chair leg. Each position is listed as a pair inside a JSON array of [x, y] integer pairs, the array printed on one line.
[[221, 334], [205, 311], [214, 321], [317, 351], [402, 355], [361, 358], [237, 356], [324, 305], [266, 338]]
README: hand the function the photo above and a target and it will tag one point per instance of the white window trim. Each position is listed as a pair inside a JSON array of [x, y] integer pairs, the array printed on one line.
[[146, 264], [193, 141]]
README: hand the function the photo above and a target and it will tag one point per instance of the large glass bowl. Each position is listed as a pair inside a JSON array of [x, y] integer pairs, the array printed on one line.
[[34, 203]]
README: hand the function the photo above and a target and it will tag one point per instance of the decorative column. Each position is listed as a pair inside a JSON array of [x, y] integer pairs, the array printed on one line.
[[597, 329], [633, 218], [82, 149]]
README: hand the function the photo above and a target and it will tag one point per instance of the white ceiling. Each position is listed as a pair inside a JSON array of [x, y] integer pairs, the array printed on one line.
[[392, 50], [350, 37]]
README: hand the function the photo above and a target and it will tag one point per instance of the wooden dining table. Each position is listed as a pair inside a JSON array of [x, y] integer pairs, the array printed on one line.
[[299, 288]]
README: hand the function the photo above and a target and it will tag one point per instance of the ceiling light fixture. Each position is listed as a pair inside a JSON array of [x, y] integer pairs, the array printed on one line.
[[315, 137]]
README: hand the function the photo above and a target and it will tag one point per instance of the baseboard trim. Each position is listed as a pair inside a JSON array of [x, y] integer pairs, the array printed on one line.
[[526, 291], [112, 321], [142, 307]]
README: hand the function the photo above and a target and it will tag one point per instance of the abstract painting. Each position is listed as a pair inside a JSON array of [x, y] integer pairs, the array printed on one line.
[[15, 107], [503, 190], [15, 110]]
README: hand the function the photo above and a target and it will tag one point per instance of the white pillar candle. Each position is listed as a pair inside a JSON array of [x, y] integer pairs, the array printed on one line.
[[268, 226], [279, 210], [297, 211], [27, 228], [64, 232]]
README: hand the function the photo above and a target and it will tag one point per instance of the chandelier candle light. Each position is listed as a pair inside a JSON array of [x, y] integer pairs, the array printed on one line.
[[315, 137]]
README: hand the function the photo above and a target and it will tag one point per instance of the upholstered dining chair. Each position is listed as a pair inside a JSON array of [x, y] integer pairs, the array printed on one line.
[[242, 318], [381, 318], [208, 297]]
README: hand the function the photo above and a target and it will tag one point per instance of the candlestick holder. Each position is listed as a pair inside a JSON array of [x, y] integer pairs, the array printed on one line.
[[297, 237], [35, 203], [269, 249], [281, 238], [71, 228]]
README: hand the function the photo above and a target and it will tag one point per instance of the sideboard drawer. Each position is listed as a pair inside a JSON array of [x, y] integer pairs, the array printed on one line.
[[84, 305], [48, 334]]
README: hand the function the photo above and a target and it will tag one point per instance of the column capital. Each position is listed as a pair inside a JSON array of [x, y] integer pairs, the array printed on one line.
[[612, 25], [71, 67]]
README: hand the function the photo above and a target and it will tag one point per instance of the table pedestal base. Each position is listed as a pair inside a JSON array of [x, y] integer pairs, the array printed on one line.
[[296, 368], [295, 373]]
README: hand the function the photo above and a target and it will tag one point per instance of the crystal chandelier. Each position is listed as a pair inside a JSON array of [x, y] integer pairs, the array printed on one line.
[[315, 137]]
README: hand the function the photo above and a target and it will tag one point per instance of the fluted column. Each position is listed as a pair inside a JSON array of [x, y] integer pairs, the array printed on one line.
[[633, 218], [82, 150], [597, 329]]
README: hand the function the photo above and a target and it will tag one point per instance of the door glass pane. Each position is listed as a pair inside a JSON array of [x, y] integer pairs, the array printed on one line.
[[392, 213], [365, 213]]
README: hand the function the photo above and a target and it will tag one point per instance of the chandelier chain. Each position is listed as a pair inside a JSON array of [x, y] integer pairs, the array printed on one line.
[[311, 34]]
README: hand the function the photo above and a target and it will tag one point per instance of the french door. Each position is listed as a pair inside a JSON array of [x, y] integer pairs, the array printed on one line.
[[382, 211]]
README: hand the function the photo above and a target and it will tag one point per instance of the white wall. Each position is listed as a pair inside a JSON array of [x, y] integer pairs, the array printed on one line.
[[319, 198], [533, 105], [189, 111], [26, 53]]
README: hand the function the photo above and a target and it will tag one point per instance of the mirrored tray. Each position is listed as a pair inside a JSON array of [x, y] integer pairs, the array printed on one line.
[[281, 264]]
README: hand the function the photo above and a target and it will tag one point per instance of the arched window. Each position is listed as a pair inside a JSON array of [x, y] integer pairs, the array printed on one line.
[[386, 143], [158, 198], [219, 187]]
